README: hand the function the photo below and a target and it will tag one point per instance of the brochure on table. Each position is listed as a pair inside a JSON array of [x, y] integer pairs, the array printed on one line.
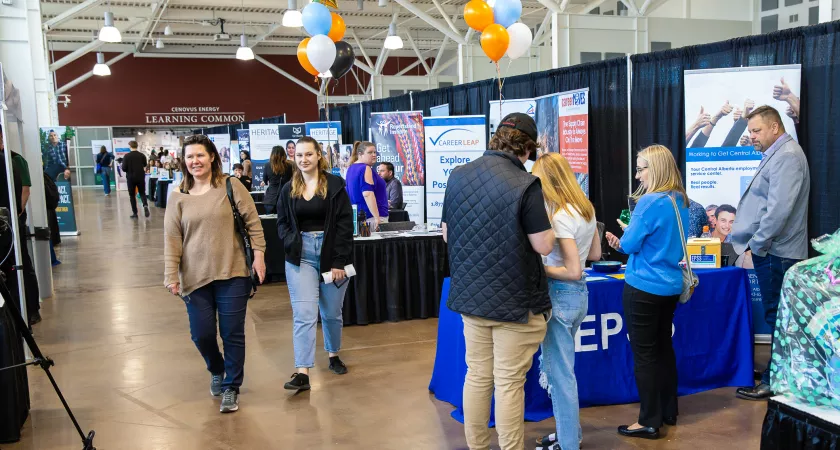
[[399, 139], [450, 142], [720, 160]]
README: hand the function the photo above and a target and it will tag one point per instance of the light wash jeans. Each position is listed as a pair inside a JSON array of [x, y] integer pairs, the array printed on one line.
[[308, 292], [569, 303]]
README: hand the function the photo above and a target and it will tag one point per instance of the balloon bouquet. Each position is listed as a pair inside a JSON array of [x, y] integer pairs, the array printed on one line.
[[501, 34], [324, 54]]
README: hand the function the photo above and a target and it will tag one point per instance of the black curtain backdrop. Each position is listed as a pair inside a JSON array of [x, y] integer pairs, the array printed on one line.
[[230, 129], [399, 103], [658, 104]]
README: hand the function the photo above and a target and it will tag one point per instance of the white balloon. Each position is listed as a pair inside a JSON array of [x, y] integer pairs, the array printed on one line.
[[321, 52], [520, 40]]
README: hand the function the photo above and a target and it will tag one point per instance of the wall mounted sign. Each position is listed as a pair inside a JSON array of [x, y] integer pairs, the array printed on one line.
[[194, 115]]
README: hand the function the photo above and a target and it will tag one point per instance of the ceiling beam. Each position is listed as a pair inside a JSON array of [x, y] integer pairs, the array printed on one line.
[[361, 49], [263, 36], [85, 49], [364, 67], [70, 13], [587, 8], [543, 26], [156, 13], [551, 5], [445, 16], [407, 4], [286, 74], [409, 67], [631, 5], [84, 77], [439, 56], [419, 55]]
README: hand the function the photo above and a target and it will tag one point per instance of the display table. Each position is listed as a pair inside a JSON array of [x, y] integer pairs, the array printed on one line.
[[791, 425], [398, 215], [275, 254], [162, 193], [258, 196], [712, 340], [397, 278]]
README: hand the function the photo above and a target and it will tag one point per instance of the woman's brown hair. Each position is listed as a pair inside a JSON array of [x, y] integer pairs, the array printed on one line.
[[298, 184], [359, 147], [216, 174], [513, 141], [279, 160]]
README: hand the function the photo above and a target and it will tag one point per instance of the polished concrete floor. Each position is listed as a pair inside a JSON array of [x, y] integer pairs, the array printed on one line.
[[128, 368]]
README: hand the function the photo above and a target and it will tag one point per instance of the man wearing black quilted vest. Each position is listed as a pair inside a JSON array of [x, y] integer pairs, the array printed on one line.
[[496, 226]]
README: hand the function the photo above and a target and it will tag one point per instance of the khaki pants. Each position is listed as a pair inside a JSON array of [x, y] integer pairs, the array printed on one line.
[[500, 354]]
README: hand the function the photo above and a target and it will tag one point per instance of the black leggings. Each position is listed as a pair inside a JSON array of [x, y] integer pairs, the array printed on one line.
[[649, 320], [133, 188]]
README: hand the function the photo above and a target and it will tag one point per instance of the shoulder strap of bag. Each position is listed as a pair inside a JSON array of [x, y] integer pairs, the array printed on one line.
[[239, 225], [682, 238]]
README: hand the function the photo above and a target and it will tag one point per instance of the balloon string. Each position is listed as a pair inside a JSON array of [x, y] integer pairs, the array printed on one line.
[[499, 72]]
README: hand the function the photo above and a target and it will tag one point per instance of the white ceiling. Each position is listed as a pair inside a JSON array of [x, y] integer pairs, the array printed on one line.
[[261, 20]]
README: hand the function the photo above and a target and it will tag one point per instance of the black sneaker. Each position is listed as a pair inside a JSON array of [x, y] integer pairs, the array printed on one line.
[[146, 210], [134, 216], [34, 318], [300, 382], [336, 366]]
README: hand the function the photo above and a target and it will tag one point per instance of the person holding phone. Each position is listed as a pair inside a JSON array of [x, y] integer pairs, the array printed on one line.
[[205, 264], [315, 222]]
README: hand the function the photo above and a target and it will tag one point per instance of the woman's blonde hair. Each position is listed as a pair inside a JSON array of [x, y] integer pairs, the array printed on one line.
[[360, 147], [663, 174], [298, 184], [560, 187]]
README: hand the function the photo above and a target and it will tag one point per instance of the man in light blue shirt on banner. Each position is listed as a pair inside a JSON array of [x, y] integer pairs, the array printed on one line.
[[772, 221]]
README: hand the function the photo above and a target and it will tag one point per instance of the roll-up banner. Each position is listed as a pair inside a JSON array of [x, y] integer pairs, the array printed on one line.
[[399, 139], [222, 143], [720, 159], [328, 134], [262, 138], [450, 142]]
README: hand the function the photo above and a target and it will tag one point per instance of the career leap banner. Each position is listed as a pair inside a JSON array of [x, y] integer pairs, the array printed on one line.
[[399, 139], [450, 142], [720, 159], [263, 137]]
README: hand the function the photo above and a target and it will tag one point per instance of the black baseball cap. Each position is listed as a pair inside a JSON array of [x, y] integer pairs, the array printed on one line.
[[524, 123]]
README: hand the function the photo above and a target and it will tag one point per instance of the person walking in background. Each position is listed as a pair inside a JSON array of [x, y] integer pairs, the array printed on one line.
[[653, 284], [315, 223], [134, 167], [576, 241], [392, 185], [494, 218], [276, 173], [245, 160], [772, 224], [104, 159], [205, 263], [239, 175], [366, 188]]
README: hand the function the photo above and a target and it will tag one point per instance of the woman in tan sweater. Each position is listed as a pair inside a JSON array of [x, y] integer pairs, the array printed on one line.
[[205, 263]]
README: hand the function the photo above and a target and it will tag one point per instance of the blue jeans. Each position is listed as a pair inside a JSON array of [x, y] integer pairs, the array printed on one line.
[[106, 178], [308, 292], [569, 303], [770, 271], [230, 299]]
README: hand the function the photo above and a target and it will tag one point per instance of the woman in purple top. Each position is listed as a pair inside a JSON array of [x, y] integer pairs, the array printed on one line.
[[366, 188]]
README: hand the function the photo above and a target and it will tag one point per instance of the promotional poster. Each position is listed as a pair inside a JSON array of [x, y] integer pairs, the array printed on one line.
[[399, 139], [120, 150], [450, 142], [328, 134], [65, 211], [55, 156], [262, 138], [222, 143], [243, 142], [720, 159], [289, 134]]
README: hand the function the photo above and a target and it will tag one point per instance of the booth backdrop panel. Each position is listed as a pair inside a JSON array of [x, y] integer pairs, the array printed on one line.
[[350, 117], [391, 104], [231, 128], [658, 113]]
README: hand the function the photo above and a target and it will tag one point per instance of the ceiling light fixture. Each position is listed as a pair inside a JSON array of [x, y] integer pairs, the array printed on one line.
[[168, 31], [292, 17], [109, 33], [383, 3], [393, 41], [101, 68], [244, 52], [360, 4], [159, 44]]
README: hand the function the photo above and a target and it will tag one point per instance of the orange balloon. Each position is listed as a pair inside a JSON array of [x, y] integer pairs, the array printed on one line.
[[303, 59], [478, 15], [337, 29], [494, 41]]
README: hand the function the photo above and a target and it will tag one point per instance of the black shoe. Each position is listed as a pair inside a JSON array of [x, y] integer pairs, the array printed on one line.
[[670, 421], [146, 210], [336, 366], [134, 216], [34, 318], [300, 382], [644, 432], [549, 442], [757, 374], [759, 392]]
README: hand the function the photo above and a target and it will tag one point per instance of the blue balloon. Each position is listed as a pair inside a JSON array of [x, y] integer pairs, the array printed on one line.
[[507, 12], [317, 19]]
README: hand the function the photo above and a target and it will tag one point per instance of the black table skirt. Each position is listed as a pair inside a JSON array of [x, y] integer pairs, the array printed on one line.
[[275, 255], [257, 196], [787, 428], [396, 279], [14, 385], [398, 215], [162, 193]]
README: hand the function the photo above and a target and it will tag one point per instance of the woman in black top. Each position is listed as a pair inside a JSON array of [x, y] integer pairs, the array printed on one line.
[[315, 222], [276, 173]]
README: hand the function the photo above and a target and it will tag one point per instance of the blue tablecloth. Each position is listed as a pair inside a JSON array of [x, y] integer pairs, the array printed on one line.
[[712, 340]]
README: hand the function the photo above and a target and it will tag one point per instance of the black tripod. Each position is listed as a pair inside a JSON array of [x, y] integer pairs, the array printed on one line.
[[41, 361]]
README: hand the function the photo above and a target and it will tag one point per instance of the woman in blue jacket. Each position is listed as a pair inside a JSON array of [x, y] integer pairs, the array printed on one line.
[[653, 286]]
